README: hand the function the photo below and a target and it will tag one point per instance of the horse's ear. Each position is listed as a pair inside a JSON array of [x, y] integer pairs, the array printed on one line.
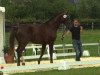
[[64, 16]]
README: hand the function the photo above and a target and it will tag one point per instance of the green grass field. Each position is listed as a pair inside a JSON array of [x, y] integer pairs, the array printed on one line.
[[83, 71], [87, 36]]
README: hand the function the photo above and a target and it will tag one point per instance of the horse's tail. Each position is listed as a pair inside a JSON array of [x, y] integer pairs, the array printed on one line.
[[10, 54], [12, 40]]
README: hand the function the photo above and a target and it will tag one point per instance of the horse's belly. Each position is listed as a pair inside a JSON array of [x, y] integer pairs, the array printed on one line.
[[38, 40], [42, 40]]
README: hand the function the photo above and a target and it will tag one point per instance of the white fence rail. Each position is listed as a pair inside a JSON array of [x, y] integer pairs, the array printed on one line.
[[33, 47]]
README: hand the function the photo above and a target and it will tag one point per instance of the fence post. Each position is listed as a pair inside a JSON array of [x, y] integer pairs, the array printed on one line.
[[92, 26], [99, 48]]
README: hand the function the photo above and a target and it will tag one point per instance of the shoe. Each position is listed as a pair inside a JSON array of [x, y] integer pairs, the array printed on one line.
[[78, 59]]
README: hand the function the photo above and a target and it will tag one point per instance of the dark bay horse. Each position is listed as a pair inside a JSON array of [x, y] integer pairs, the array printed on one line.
[[44, 33]]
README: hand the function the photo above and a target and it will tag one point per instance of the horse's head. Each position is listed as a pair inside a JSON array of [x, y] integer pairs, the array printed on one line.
[[65, 19]]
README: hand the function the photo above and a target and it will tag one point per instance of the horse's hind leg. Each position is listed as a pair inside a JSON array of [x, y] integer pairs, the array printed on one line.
[[19, 54], [51, 52], [42, 52], [20, 49]]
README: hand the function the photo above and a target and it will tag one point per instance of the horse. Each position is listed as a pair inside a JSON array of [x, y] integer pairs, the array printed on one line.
[[42, 33]]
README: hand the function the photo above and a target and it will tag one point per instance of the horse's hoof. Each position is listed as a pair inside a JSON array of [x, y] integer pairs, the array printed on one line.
[[38, 62], [18, 64], [51, 62], [23, 64]]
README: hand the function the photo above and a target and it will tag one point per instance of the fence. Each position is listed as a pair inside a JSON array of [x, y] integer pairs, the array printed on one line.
[[60, 65], [56, 47]]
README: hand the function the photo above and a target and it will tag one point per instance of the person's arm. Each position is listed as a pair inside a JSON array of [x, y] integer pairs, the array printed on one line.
[[66, 33], [81, 28]]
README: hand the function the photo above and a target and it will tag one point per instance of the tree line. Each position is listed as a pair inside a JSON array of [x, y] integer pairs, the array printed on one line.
[[42, 10]]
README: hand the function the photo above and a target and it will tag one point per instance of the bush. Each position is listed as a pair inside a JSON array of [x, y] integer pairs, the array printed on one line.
[[5, 50]]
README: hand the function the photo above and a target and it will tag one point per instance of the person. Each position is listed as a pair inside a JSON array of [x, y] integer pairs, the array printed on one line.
[[75, 30]]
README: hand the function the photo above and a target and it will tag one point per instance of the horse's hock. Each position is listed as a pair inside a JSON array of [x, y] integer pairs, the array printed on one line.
[[2, 32]]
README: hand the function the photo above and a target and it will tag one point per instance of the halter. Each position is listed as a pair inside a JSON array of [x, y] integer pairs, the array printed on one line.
[[64, 16]]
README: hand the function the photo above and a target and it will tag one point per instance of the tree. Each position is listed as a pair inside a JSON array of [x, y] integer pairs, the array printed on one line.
[[89, 9], [34, 10]]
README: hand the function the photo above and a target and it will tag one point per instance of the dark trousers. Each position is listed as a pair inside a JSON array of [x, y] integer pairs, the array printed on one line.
[[78, 48]]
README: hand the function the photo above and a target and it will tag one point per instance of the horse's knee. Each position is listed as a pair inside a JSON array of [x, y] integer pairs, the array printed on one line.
[[19, 53]]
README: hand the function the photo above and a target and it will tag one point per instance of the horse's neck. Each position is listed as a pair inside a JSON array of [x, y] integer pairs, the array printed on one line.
[[54, 24]]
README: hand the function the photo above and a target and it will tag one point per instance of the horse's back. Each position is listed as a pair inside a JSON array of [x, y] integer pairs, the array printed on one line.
[[30, 32], [36, 33]]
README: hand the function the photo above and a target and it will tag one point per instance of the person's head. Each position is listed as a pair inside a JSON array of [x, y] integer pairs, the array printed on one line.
[[76, 22]]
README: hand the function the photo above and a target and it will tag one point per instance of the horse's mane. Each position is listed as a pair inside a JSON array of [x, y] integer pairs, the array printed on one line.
[[40, 23], [55, 15]]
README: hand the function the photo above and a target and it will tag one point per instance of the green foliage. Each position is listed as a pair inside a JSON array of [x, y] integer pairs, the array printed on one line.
[[89, 9], [33, 10], [5, 50]]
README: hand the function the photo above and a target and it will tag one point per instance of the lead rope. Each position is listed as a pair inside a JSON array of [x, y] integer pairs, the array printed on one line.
[[63, 43]]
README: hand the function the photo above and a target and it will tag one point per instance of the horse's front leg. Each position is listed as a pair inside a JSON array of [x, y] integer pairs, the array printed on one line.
[[51, 52], [42, 52]]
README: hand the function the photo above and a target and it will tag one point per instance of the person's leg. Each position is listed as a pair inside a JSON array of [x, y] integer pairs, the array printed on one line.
[[75, 45], [80, 48]]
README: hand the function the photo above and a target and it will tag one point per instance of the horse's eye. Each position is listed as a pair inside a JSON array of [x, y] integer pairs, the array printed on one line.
[[64, 16], [69, 16]]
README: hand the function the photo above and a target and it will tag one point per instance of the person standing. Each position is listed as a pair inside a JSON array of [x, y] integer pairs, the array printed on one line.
[[76, 30]]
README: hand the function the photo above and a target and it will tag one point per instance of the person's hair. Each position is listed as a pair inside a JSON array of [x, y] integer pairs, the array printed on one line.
[[76, 19]]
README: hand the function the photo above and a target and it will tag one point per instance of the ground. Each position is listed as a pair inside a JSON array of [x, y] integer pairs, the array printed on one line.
[[76, 70]]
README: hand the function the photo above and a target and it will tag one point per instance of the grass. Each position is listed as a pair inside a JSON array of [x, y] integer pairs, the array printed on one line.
[[87, 36], [83, 71]]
